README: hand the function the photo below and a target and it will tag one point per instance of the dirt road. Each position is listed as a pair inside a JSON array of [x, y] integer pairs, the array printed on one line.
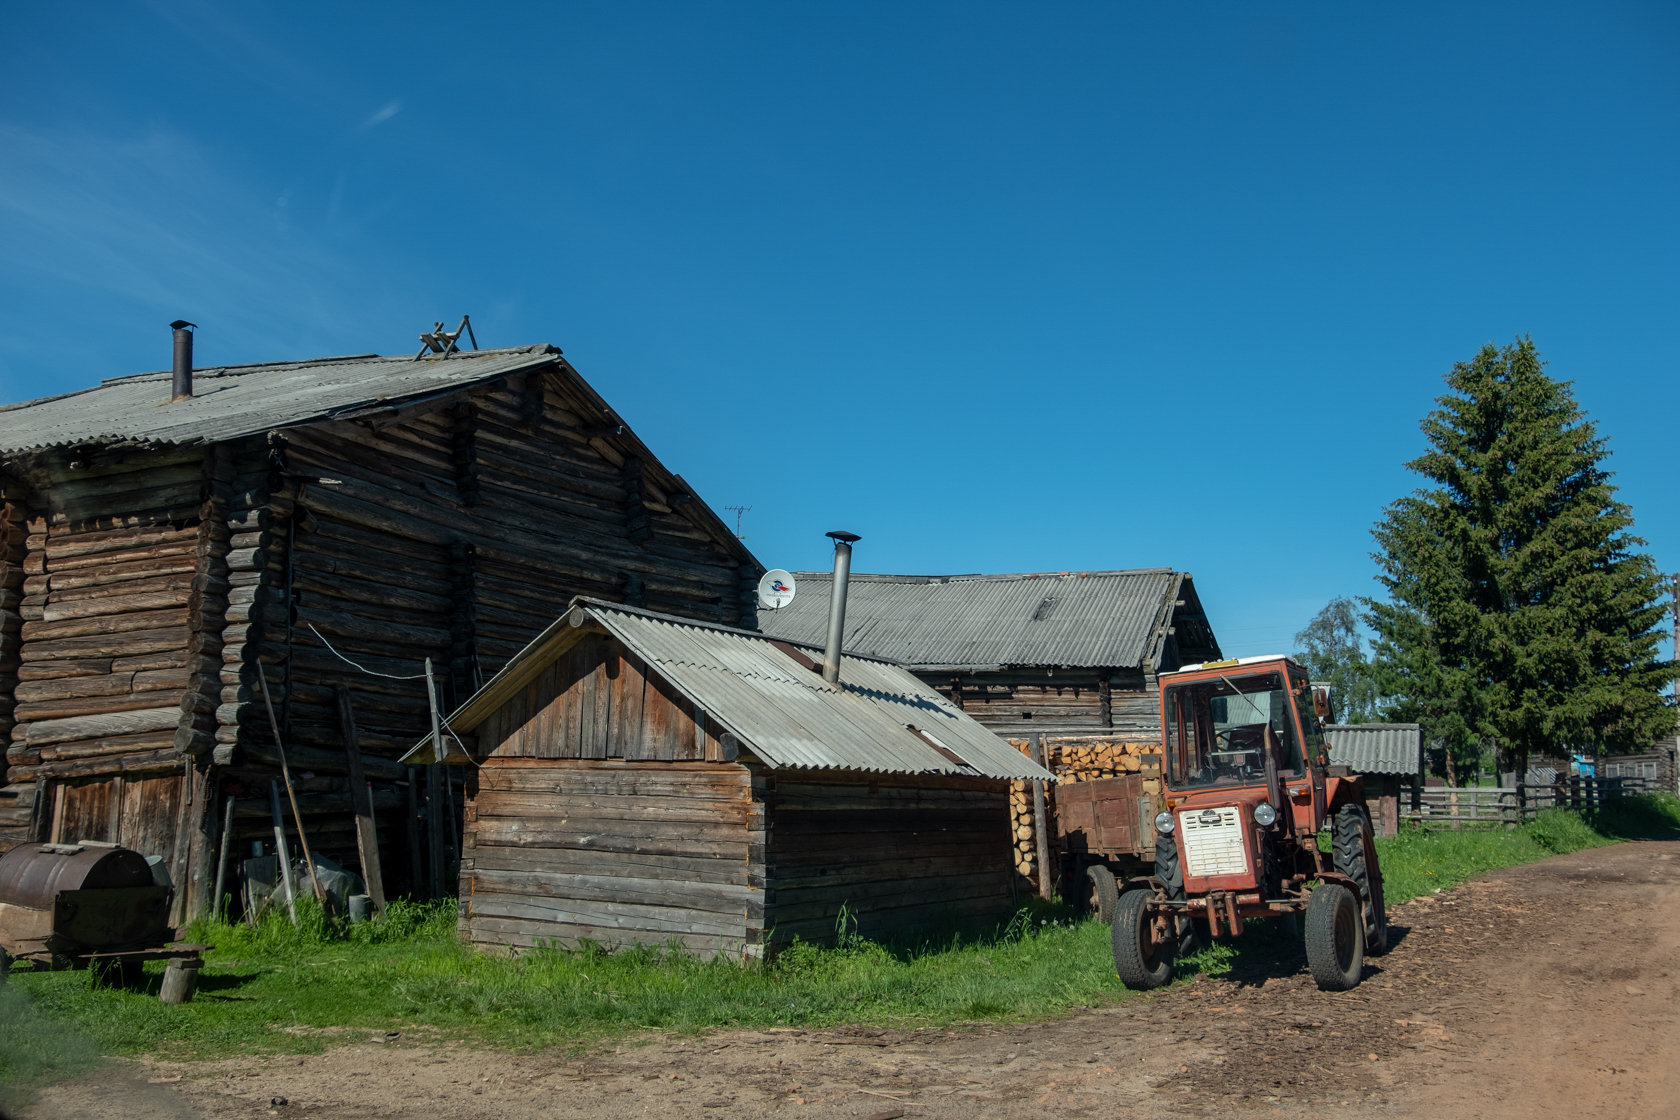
[[1542, 991]]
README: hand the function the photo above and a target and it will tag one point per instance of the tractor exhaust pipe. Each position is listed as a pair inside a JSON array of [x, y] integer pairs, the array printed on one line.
[[837, 603]]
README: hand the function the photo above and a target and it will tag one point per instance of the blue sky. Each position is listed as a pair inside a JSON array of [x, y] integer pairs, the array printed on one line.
[[1001, 288]]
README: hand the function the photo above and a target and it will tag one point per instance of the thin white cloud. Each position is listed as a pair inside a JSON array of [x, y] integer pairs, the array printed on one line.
[[385, 113], [156, 221]]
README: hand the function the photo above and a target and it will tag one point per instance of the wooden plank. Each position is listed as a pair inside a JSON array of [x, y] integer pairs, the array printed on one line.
[[629, 687], [674, 826], [595, 807], [576, 861], [608, 656], [367, 837], [527, 933], [616, 916], [516, 836], [709, 898]]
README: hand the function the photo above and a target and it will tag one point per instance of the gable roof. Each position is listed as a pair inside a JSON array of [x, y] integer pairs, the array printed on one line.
[[1375, 748], [233, 401], [979, 622], [784, 713]]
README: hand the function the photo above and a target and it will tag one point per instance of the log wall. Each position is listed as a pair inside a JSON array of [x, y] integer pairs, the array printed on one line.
[[611, 851], [1012, 702], [147, 593]]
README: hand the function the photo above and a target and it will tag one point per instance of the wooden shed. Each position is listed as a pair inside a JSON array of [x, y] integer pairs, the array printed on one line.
[[158, 554], [1063, 664], [639, 777], [1389, 755]]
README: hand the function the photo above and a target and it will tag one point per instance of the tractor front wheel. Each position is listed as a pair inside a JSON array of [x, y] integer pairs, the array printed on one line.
[[1335, 938], [1142, 961], [1193, 933], [1355, 855]]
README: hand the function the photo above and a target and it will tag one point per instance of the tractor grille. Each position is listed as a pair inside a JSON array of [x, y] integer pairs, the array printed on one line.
[[1213, 841]]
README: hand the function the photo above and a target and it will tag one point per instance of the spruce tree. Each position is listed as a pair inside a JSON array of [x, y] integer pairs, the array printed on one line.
[[1521, 612]]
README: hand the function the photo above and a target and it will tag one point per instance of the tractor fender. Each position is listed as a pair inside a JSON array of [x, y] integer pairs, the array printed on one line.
[[1343, 880]]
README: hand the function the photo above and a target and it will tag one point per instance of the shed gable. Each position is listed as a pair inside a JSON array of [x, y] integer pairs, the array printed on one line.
[[599, 700]]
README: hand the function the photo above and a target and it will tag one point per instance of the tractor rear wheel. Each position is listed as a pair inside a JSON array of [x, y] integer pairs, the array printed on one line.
[[1335, 938], [1351, 838], [1193, 933], [1142, 962], [1106, 890]]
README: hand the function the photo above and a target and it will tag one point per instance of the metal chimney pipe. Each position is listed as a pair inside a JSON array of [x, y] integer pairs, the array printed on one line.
[[180, 384], [837, 603]]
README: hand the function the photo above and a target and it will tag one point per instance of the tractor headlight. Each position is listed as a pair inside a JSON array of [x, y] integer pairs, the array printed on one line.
[[1264, 814], [1163, 823]]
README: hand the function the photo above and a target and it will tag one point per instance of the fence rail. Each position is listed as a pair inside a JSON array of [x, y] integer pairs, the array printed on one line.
[[1509, 806]]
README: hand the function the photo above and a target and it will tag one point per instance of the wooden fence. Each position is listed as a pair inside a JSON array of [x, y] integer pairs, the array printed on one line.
[[1509, 806]]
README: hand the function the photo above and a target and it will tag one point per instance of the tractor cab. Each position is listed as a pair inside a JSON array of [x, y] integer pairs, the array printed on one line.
[[1248, 789]]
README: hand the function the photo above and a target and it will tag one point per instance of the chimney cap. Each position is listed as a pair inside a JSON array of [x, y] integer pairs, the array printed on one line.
[[842, 535], [179, 323]]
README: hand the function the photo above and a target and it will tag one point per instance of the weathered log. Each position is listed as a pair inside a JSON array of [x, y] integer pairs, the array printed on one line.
[[154, 762], [381, 634], [105, 575], [124, 644], [117, 604], [50, 670], [92, 706], [104, 624], [102, 726], [121, 744], [322, 761]]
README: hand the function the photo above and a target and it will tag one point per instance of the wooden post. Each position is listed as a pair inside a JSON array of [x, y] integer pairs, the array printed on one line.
[[1040, 830], [291, 794], [58, 813], [216, 910], [415, 880], [361, 800], [280, 852], [434, 811]]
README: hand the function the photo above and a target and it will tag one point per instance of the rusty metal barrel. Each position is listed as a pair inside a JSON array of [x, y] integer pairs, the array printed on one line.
[[65, 899]]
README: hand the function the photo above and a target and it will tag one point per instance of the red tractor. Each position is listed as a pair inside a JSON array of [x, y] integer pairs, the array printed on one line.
[[1248, 790]]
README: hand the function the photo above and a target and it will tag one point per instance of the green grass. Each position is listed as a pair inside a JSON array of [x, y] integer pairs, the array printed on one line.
[[275, 988], [279, 989]]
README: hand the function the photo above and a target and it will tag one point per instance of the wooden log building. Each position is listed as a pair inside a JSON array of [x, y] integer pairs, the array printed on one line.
[[1063, 664], [160, 557], [638, 777]]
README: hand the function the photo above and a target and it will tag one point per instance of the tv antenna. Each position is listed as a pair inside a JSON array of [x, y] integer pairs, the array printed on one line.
[[739, 510]]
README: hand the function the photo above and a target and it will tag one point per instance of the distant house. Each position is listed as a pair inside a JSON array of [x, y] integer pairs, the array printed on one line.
[[1063, 663], [163, 552], [1389, 755], [639, 777]]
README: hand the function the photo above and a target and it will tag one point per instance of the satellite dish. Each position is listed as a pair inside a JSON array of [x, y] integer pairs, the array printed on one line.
[[776, 589]]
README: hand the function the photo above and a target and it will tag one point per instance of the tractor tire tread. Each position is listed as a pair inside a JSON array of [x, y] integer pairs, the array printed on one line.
[[1137, 969], [1329, 905], [1348, 829]]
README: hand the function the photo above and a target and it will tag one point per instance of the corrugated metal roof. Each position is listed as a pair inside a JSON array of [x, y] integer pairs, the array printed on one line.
[[975, 622], [781, 711], [233, 401], [1375, 748]]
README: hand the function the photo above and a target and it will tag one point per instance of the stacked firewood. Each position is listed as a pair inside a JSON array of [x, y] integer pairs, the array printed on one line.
[[1071, 759]]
